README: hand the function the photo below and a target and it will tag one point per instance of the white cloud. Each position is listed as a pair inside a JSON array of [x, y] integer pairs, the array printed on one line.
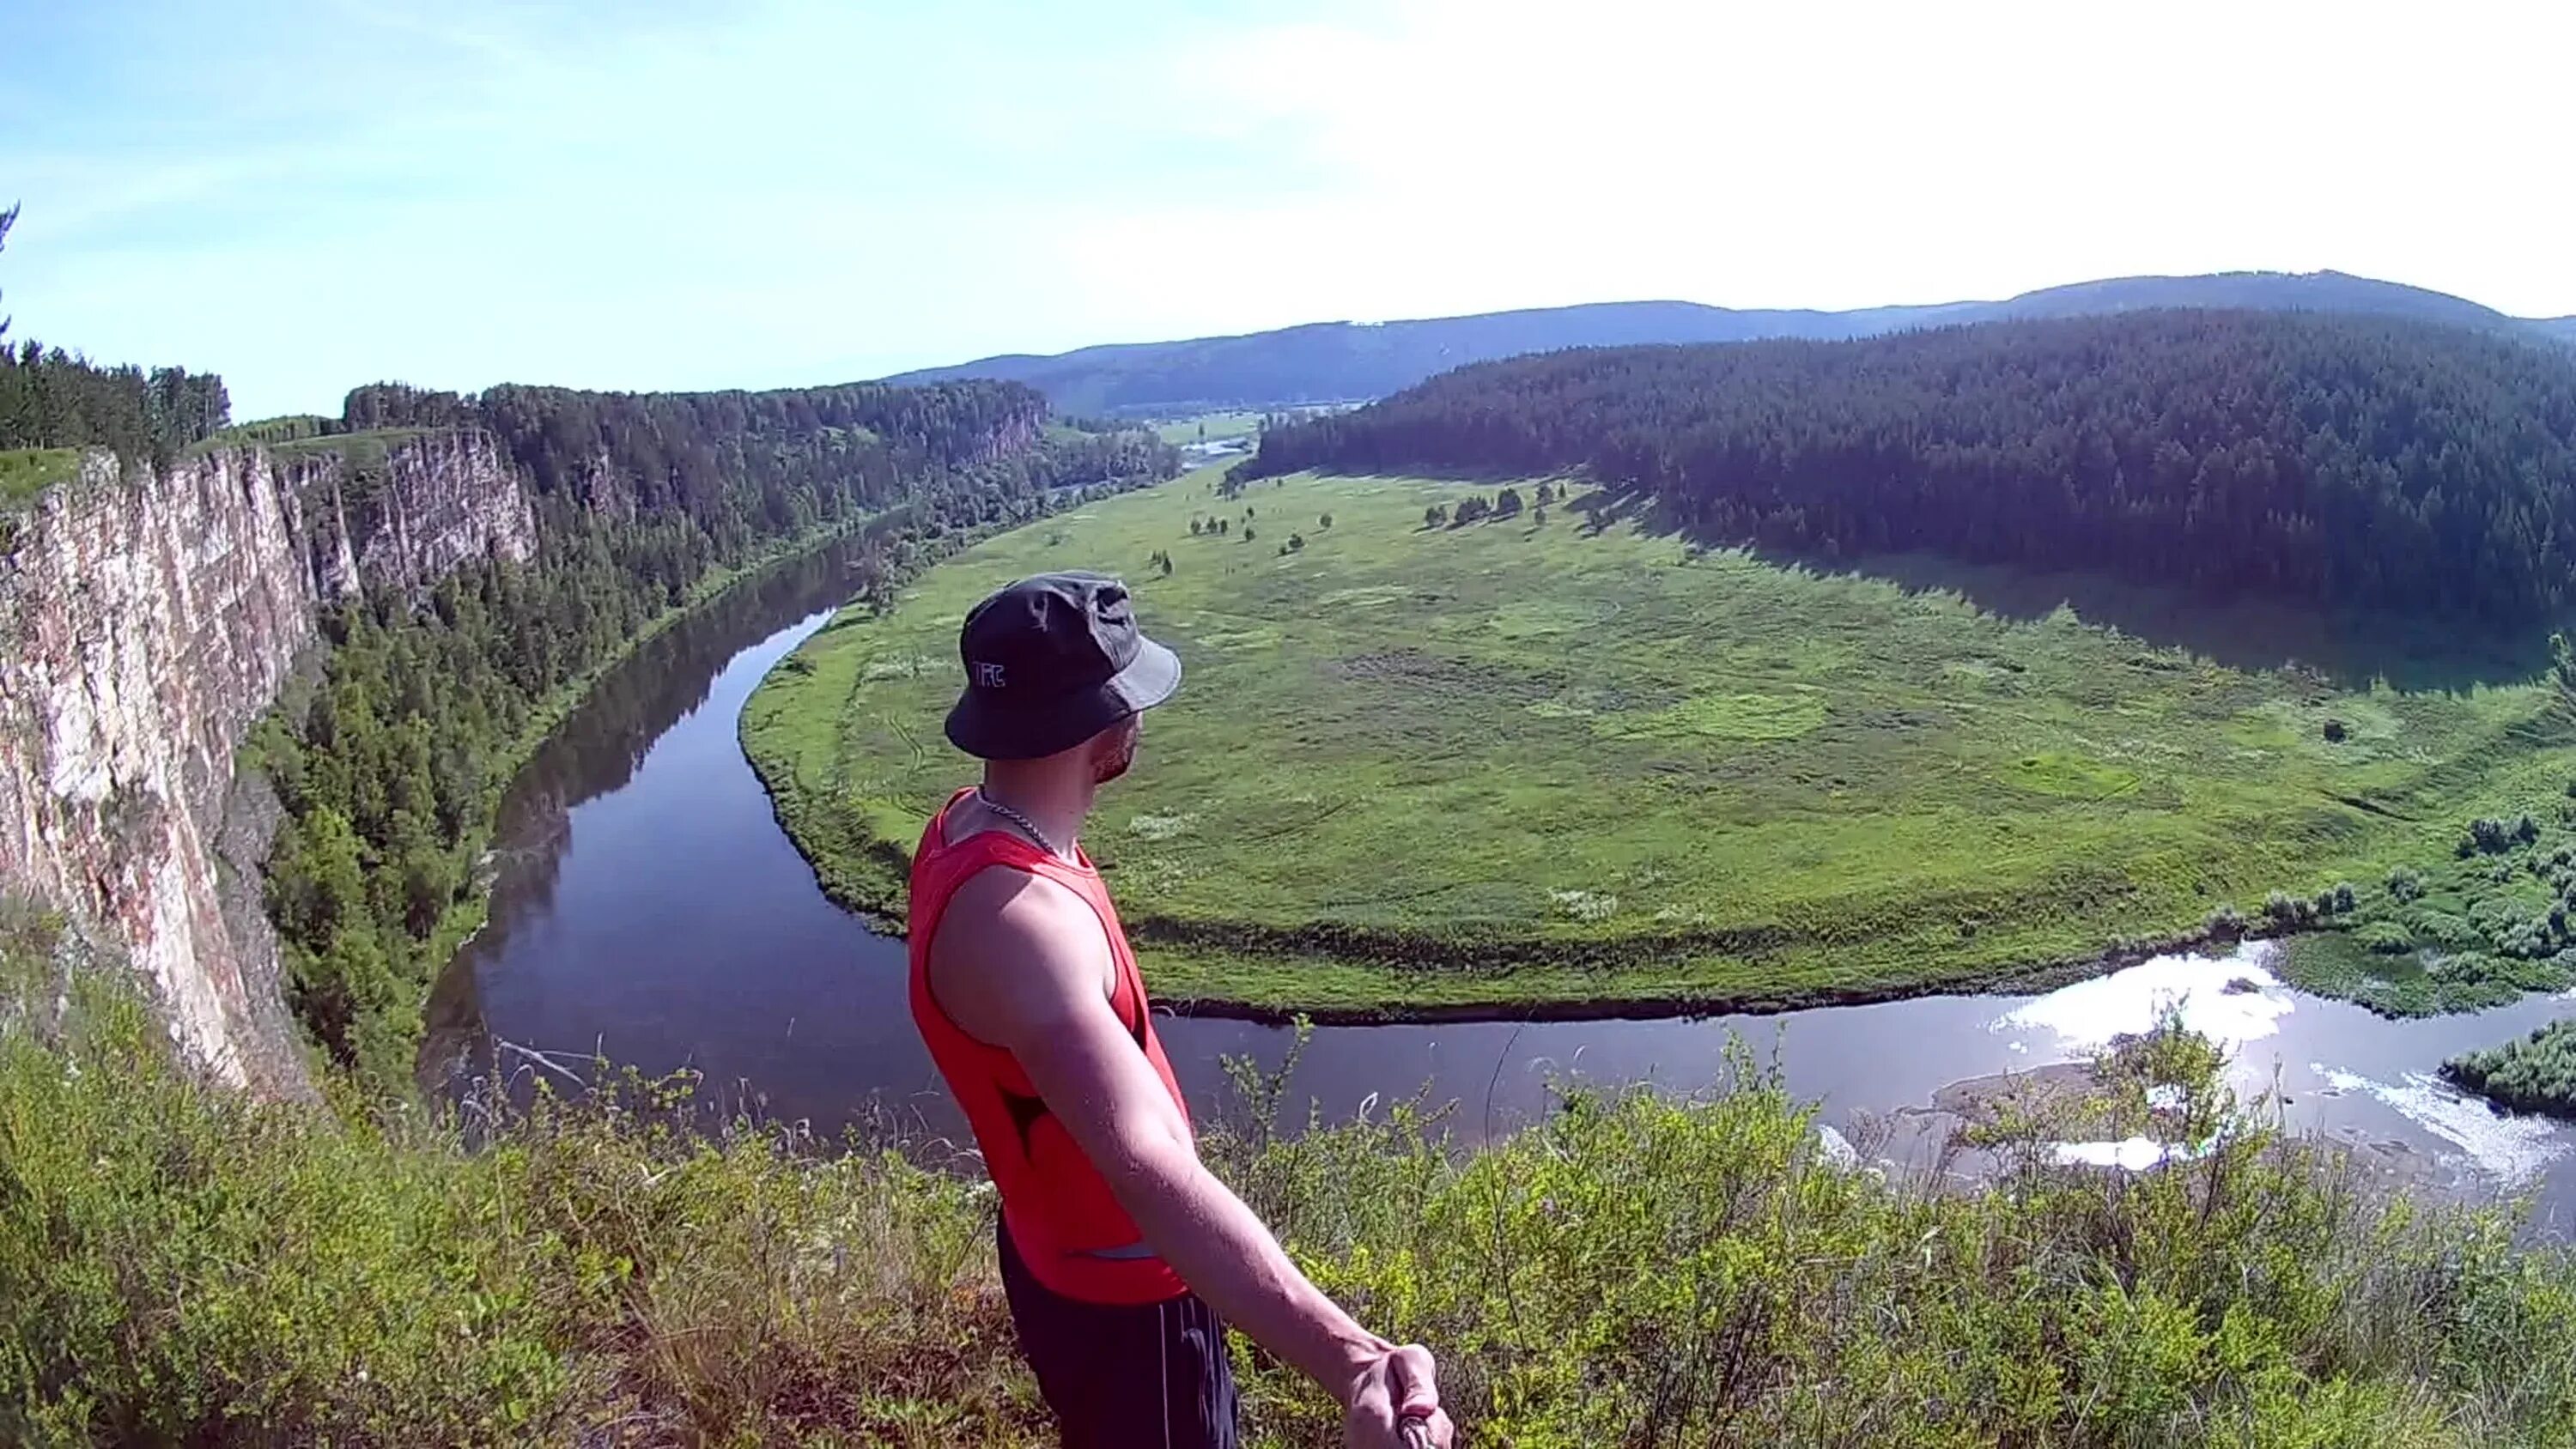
[[1842, 154], [638, 197]]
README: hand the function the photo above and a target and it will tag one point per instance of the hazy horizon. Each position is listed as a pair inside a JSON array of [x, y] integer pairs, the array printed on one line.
[[310, 194]]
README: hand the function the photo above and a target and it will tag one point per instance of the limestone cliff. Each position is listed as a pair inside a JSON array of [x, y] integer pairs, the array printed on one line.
[[147, 618]]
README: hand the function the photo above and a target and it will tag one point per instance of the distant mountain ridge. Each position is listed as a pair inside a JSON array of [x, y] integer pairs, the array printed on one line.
[[1321, 362]]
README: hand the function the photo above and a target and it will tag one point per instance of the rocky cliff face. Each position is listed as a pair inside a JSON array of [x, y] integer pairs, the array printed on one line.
[[146, 620]]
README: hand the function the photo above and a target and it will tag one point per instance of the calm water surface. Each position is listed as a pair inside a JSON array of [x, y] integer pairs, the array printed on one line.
[[648, 909]]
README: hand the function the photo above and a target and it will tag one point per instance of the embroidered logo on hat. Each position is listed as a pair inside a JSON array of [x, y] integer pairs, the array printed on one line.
[[1067, 648]]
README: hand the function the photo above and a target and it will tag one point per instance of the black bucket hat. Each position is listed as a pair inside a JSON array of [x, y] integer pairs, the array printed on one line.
[[1050, 662]]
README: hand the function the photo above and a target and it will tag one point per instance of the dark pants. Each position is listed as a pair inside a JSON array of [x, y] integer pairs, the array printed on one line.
[[1155, 1377]]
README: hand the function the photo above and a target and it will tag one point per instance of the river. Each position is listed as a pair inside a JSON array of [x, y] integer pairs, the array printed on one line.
[[647, 909]]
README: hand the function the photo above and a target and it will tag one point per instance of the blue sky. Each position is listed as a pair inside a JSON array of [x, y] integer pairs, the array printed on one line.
[[309, 194]]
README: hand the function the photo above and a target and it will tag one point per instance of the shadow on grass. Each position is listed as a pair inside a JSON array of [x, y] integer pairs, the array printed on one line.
[[2241, 631]]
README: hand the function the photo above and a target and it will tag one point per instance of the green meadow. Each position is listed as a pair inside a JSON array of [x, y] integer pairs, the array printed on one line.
[[1531, 763], [1209, 427], [27, 472]]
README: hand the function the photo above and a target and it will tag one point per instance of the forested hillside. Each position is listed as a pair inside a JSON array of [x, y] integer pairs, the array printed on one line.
[[390, 764], [2338, 461], [391, 769], [1345, 361], [741, 464]]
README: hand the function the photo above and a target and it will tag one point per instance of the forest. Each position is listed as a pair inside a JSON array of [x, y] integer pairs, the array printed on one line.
[[2339, 461], [1321, 362], [391, 769], [742, 466], [391, 763]]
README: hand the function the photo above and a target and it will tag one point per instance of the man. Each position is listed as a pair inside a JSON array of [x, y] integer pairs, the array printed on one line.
[[1122, 1255]]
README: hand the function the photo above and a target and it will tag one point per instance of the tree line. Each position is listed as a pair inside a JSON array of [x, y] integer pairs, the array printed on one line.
[[54, 398], [2341, 461], [392, 768]]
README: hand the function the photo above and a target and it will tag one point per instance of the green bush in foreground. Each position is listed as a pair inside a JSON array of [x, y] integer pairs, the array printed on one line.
[[180, 1265], [2534, 1074]]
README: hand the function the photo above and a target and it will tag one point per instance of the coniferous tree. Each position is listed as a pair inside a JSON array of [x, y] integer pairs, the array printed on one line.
[[2343, 461]]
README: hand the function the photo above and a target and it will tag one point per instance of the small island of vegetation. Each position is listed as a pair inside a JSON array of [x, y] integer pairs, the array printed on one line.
[[2536, 1073]]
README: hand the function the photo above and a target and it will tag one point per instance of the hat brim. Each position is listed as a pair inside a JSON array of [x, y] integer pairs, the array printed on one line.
[[980, 728]]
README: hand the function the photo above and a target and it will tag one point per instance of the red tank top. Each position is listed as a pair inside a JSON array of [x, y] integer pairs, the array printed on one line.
[[1069, 1229]]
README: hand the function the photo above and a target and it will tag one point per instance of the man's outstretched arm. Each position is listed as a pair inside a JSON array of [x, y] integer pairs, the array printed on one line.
[[1022, 963]]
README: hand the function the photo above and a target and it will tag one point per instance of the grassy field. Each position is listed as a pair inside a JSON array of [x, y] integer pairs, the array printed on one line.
[[1522, 764], [1209, 428], [26, 472]]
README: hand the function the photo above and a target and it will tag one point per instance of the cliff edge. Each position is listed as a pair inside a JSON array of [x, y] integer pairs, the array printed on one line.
[[148, 617]]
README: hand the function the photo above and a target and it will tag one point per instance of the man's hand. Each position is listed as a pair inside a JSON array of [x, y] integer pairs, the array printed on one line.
[[1048, 1004], [1395, 1404]]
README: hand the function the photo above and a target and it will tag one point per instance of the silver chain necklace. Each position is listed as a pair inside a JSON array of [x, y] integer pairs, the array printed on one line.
[[1020, 820]]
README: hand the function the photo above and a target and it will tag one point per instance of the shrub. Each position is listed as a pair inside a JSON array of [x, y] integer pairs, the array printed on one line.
[[1632, 1271], [2534, 1074], [182, 1264], [2386, 937], [2455, 969], [2285, 910], [2404, 884], [2444, 929]]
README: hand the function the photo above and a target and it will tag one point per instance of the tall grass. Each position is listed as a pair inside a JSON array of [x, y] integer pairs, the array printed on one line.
[[27, 472], [181, 1265]]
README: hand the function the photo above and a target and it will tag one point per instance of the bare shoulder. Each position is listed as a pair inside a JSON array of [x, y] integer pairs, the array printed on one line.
[[1015, 951]]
